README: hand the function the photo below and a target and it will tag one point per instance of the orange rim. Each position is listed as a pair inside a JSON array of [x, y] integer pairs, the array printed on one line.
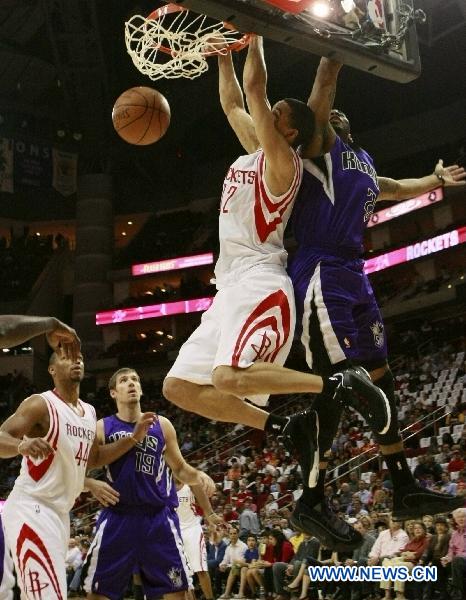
[[169, 9]]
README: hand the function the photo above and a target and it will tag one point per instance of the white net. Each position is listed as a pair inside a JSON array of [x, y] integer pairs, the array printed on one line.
[[176, 43]]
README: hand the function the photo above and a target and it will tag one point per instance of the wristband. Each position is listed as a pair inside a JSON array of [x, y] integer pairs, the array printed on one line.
[[19, 444], [441, 178]]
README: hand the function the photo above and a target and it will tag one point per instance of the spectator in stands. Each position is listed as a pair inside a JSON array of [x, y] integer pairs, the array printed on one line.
[[355, 509], [251, 554], [461, 484], [73, 559], [437, 548], [447, 486], [271, 505], [445, 454], [282, 551], [216, 547], [234, 553], [434, 467], [409, 528], [244, 494], [229, 514], [379, 501], [428, 521], [359, 559], [75, 583], [456, 463], [456, 555], [295, 568], [363, 493], [388, 543], [408, 556], [353, 482], [344, 496], [421, 469], [285, 527], [248, 521]]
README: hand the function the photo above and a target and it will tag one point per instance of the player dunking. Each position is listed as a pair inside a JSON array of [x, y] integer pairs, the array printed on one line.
[[192, 534], [341, 322], [142, 530], [55, 433], [244, 338]]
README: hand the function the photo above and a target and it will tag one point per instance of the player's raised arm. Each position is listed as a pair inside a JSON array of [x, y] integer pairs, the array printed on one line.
[[16, 329], [231, 99], [321, 102], [402, 189], [273, 127], [104, 454]]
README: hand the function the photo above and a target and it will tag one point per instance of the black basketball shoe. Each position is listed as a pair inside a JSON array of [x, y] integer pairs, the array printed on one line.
[[300, 436], [357, 390], [320, 521], [413, 501]]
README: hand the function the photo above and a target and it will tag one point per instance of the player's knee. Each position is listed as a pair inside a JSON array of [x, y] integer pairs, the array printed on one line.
[[173, 390], [225, 379]]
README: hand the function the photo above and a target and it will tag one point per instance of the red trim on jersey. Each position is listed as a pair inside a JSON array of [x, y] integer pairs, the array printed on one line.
[[263, 201], [279, 300], [28, 534], [38, 471]]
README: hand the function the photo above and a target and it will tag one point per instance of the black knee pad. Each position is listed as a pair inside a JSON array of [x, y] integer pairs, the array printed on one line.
[[387, 384]]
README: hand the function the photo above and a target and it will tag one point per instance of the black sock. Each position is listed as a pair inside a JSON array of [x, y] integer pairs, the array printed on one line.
[[275, 424], [399, 470], [312, 496]]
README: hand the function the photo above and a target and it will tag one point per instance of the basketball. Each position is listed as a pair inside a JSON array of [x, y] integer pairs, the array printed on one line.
[[141, 116]]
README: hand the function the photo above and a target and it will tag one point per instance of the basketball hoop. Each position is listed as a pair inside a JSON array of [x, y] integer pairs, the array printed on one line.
[[174, 42]]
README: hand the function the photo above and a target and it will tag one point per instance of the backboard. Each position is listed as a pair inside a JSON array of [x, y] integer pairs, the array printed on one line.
[[377, 36]]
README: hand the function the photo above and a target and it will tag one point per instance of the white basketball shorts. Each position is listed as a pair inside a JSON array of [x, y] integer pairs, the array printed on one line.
[[38, 539], [195, 548], [252, 320]]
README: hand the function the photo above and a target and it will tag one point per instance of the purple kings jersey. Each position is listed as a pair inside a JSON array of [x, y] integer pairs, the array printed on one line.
[[141, 476], [334, 205]]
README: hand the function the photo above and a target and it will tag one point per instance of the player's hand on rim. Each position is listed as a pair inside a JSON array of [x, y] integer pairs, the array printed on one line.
[[66, 338], [143, 425], [452, 175], [34, 448], [103, 492], [216, 43]]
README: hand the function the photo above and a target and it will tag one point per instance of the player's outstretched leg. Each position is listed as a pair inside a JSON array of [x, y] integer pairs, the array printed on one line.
[[410, 500], [300, 436], [349, 387]]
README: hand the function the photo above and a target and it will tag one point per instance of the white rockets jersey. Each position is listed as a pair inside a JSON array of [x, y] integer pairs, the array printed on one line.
[[59, 479], [187, 508], [252, 221]]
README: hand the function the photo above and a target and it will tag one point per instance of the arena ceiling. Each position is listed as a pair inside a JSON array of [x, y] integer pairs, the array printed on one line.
[[63, 63]]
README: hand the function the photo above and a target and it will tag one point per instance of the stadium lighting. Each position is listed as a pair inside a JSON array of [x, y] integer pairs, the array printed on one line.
[[321, 9]]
